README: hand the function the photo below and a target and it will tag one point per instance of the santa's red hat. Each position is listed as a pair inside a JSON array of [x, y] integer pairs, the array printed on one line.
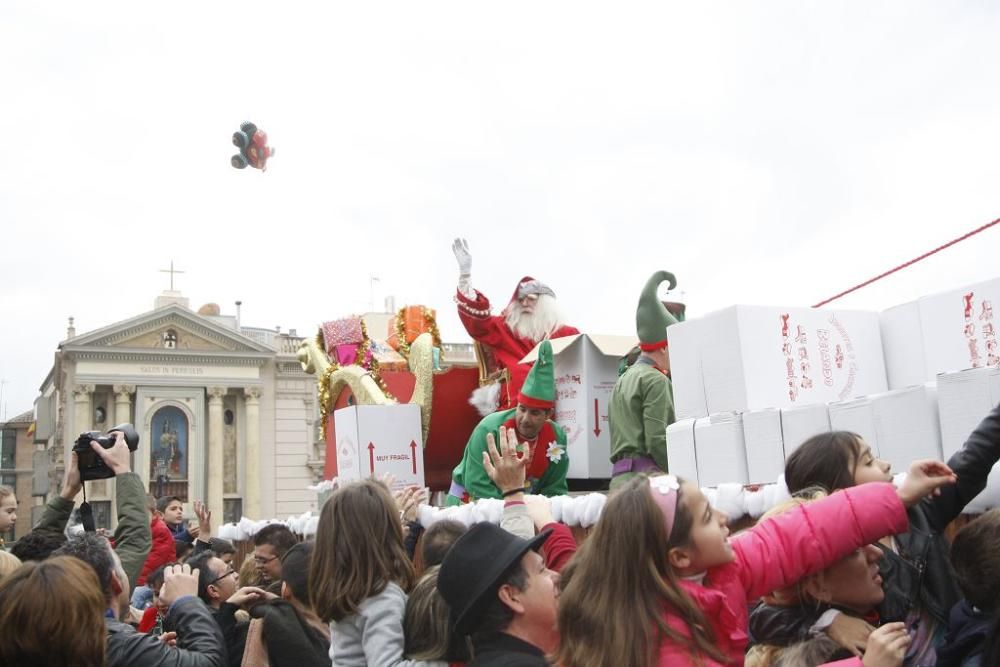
[[528, 286]]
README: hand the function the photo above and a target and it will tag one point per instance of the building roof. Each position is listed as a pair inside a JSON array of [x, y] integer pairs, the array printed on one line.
[[23, 418]]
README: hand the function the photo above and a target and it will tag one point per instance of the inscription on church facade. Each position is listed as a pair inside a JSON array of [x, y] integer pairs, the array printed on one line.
[[171, 370]]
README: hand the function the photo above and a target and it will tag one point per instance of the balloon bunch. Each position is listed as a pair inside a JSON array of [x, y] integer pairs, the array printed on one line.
[[254, 150]]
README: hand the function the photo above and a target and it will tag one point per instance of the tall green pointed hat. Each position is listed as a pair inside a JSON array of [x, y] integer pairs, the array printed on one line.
[[651, 317], [539, 388]]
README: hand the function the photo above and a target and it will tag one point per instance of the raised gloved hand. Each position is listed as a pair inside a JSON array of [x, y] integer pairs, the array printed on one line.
[[461, 249]]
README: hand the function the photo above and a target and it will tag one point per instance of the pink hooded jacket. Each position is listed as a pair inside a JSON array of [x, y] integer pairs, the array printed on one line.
[[778, 552]]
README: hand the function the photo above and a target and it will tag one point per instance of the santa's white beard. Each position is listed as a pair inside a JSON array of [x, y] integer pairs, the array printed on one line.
[[538, 325]]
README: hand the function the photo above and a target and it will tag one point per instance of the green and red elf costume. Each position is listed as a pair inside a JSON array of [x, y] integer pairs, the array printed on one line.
[[642, 402], [546, 452]]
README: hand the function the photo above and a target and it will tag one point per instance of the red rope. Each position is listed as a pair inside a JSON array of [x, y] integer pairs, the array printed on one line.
[[911, 262]]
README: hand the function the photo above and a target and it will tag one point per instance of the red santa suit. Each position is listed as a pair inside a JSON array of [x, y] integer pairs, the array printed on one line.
[[508, 347]]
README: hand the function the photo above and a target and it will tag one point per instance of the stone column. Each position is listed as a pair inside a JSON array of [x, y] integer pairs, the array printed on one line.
[[123, 403], [84, 418], [83, 412], [215, 454], [251, 495]]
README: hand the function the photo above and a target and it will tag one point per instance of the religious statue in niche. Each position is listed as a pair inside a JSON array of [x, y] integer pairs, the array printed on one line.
[[169, 339], [169, 431]]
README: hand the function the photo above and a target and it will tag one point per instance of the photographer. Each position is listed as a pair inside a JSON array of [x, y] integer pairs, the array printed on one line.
[[132, 537], [198, 640]]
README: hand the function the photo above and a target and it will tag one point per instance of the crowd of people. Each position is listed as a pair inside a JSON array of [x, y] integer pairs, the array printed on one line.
[[851, 571]]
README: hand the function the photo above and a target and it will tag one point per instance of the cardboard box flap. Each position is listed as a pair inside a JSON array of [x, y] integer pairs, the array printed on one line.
[[558, 345], [611, 346]]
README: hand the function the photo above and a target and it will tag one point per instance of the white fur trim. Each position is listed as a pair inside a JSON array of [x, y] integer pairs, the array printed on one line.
[[486, 399]]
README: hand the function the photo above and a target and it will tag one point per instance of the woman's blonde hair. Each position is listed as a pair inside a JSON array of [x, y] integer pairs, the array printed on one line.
[[35, 634], [769, 655], [8, 563], [359, 550], [5, 491]]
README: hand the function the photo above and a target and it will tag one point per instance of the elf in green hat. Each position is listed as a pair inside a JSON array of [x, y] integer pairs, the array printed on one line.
[[540, 440], [642, 402]]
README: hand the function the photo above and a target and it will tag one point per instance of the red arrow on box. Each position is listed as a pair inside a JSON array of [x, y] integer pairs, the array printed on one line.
[[413, 455], [371, 457], [597, 420]]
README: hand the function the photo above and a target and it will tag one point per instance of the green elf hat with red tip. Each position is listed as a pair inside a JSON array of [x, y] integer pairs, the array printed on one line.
[[651, 317], [539, 388]]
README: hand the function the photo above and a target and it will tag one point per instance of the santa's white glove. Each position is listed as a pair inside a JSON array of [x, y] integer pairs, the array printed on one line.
[[461, 249]]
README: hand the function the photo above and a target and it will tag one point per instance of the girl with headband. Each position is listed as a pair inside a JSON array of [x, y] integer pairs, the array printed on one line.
[[660, 582]]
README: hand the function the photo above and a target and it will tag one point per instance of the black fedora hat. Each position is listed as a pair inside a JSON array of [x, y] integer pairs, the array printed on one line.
[[476, 566]]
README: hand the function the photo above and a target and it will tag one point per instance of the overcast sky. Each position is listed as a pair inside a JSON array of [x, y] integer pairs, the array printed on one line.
[[765, 152]]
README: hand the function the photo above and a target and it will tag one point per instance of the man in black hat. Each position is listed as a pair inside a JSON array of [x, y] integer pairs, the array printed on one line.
[[501, 593]]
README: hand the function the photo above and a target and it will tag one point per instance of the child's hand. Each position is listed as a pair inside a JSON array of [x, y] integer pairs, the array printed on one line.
[[887, 646], [926, 476], [204, 530], [539, 510], [850, 632], [169, 638]]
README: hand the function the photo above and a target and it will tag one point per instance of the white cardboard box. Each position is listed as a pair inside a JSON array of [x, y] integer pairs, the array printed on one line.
[[900, 426], [764, 445], [964, 400], [377, 439], [681, 457], [800, 423], [941, 333], [586, 369], [720, 450], [685, 373], [756, 357]]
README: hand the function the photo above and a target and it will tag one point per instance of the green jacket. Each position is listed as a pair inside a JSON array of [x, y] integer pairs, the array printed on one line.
[[132, 536], [642, 406], [549, 478]]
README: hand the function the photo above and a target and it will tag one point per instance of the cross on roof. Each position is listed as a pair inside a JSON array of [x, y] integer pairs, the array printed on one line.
[[171, 271]]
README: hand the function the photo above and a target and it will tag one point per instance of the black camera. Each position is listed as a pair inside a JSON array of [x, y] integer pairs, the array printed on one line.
[[93, 466]]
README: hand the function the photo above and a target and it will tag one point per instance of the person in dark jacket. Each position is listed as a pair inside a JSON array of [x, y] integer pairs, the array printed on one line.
[[919, 582], [199, 641], [501, 593], [975, 555]]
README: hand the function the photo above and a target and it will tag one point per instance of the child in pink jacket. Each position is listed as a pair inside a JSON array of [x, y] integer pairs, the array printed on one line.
[[660, 582]]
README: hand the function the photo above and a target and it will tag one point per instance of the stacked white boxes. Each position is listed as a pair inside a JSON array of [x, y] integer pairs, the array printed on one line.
[[801, 423], [764, 445], [946, 332], [755, 357], [681, 456], [767, 379], [964, 399], [720, 450], [900, 426]]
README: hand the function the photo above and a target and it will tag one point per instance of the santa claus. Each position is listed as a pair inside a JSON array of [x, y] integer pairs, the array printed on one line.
[[531, 316]]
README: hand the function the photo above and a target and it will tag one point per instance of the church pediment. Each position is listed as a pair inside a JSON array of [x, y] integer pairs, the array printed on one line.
[[172, 328]]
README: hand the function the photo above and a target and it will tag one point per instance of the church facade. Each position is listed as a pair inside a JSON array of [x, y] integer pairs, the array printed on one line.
[[224, 413]]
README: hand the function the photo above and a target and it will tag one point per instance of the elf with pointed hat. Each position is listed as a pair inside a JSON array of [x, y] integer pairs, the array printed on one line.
[[531, 316], [642, 402], [540, 440]]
